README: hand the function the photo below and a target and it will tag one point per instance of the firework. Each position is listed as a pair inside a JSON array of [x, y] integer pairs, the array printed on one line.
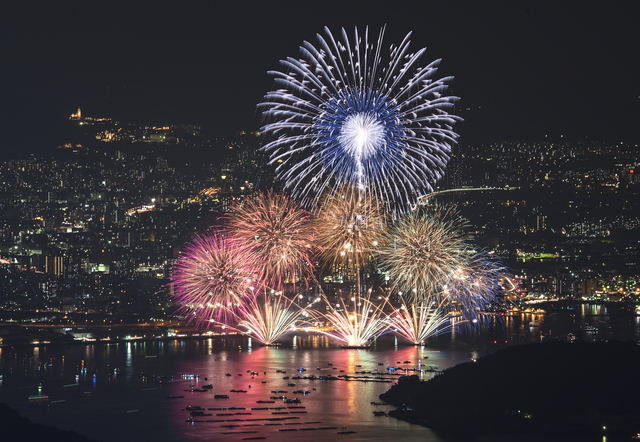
[[422, 250], [474, 286], [341, 115], [269, 318], [354, 322], [210, 279], [275, 235], [348, 229], [420, 320]]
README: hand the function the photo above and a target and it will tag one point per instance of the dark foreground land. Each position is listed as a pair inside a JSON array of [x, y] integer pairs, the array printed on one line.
[[579, 388], [20, 429]]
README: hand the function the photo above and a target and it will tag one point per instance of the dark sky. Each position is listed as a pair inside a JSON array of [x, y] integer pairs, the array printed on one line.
[[533, 68]]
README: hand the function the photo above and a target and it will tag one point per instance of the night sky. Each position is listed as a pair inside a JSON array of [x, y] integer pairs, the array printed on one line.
[[525, 69]]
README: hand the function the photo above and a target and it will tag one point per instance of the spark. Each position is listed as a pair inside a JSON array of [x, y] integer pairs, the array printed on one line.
[[275, 235], [342, 116], [347, 229], [269, 319], [355, 324], [420, 320], [210, 279], [423, 249]]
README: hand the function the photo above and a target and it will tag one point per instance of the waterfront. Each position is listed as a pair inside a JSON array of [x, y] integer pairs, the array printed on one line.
[[126, 400]]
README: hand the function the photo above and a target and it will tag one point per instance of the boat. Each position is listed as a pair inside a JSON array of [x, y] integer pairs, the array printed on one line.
[[208, 386], [221, 396], [194, 408], [175, 397], [588, 328]]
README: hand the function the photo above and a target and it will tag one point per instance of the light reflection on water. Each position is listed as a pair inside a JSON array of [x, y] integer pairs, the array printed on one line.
[[106, 409], [134, 405]]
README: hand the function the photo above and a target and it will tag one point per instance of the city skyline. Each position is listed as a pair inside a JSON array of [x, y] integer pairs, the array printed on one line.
[[522, 71]]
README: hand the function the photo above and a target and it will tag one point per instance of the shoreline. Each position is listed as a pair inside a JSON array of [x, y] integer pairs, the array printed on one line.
[[482, 397]]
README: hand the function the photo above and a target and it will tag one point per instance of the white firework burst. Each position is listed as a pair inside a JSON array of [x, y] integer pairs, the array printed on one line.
[[340, 116]]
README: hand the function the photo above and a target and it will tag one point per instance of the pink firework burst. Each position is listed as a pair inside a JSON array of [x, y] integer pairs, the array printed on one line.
[[210, 279]]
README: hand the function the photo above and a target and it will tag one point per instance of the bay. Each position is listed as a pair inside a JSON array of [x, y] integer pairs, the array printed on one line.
[[120, 391]]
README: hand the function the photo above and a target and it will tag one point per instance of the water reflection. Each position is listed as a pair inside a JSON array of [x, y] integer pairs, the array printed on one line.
[[339, 403]]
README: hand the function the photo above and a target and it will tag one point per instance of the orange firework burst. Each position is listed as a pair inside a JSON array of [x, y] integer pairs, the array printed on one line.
[[348, 228], [275, 235]]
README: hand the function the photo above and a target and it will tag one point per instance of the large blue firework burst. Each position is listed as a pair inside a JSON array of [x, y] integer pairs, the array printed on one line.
[[339, 116]]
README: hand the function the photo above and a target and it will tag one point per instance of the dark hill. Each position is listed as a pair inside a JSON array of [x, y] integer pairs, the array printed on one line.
[[551, 387], [16, 428]]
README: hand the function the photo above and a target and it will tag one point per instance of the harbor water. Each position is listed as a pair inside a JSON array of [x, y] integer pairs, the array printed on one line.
[[141, 390]]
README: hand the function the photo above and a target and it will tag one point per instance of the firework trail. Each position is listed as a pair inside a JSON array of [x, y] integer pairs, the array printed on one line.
[[276, 236], [423, 249], [210, 279], [341, 115], [355, 322], [269, 318], [347, 229], [420, 320]]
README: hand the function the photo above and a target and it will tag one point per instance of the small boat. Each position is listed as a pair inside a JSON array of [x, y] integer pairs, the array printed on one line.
[[194, 408], [221, 396], [227, 374], [175, 397], [208, 386]]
